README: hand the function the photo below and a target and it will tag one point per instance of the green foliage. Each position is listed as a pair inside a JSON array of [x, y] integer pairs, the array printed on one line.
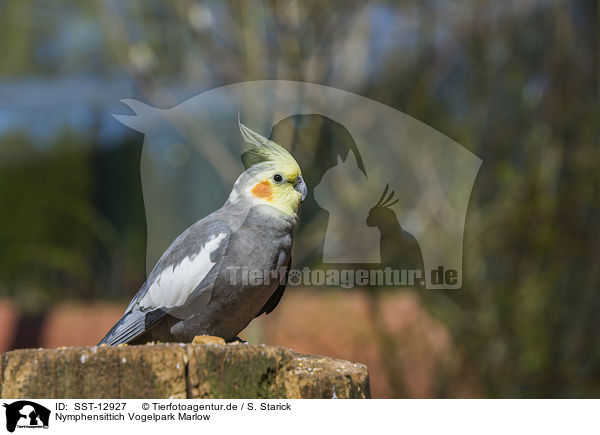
[[54, 239]]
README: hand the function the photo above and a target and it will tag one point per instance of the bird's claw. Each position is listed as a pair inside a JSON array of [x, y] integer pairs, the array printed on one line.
[[207, 339]]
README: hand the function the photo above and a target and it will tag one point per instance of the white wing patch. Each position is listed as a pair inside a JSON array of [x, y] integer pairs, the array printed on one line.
[[174, 284]]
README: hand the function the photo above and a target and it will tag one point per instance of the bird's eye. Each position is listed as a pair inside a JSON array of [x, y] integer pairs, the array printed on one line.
[[278, 178]]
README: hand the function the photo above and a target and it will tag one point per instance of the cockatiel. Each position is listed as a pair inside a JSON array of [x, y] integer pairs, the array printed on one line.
[[198, 285]]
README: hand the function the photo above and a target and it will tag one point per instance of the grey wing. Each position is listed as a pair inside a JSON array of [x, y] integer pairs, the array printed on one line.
[[179, 285], [277, 295], [131, 325]]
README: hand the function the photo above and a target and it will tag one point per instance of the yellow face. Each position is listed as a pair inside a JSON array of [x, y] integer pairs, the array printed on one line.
[[272, 175], [280, 186]]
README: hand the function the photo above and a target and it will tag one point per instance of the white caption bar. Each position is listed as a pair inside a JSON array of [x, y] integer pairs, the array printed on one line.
[[299, 416]]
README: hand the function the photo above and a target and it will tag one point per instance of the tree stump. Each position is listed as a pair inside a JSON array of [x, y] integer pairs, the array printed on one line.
[[178, 371]]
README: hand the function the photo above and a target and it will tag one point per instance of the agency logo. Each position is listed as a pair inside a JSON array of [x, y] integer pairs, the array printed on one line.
[[386, 192], [25, 414]]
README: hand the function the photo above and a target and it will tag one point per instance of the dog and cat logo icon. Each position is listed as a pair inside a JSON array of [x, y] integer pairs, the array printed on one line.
[[25, 414]]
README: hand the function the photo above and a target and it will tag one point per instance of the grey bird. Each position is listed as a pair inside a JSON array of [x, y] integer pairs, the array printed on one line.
[[227, 268]]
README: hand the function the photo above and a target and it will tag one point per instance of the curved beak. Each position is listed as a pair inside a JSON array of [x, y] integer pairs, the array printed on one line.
[[300, 187]]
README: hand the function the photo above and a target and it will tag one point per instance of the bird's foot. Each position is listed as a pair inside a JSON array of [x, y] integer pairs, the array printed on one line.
[[238, 340], [207, 339]]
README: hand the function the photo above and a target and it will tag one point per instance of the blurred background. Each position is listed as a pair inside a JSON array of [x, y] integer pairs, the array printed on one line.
[[515, 82]]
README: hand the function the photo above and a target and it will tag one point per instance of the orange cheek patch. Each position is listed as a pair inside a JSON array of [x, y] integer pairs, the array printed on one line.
[[263, 190]]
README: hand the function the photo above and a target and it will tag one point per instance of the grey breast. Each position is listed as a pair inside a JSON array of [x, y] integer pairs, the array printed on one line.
[[261, 243]]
